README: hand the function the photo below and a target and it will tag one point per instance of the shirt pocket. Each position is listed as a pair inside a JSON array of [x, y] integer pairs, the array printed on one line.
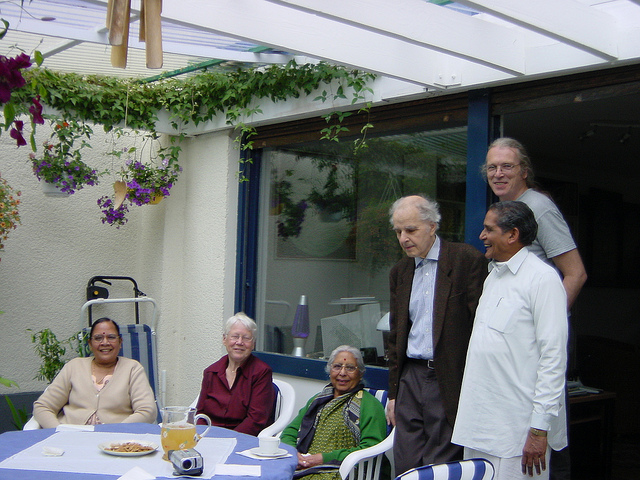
[[502, 317]]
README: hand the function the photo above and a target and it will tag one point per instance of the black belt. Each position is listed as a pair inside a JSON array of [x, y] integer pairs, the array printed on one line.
[[430, 363]]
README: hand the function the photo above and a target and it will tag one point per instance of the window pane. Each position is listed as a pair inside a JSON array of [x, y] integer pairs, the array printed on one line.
[[326, 233]]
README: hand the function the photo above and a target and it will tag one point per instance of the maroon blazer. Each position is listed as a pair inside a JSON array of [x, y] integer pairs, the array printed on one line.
[[459, 279]]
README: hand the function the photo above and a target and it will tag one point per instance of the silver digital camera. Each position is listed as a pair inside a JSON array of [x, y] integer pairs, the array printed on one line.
[[186, 462]]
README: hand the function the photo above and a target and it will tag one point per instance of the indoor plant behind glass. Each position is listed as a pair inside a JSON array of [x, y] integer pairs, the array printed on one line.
[[60, 162]]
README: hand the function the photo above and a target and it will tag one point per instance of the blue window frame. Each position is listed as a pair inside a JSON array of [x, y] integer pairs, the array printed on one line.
[[476, 199]]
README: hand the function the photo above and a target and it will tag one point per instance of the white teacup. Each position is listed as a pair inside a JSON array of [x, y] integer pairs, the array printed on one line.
[[268, 445]]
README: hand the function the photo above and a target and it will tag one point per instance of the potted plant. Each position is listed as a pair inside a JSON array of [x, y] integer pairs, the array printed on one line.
[[52, 351], [142, 183], [148, 182], [9, 217], [60, 163]]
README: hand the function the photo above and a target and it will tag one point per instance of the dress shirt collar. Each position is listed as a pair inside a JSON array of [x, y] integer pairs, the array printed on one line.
[[513, 264], [434, 253]]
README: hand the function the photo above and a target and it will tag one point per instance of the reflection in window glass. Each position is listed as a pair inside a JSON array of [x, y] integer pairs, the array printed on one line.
[[326, 234]]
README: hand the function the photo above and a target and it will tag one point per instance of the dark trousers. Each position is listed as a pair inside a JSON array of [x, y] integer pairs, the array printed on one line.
[[560, 460], [423, 433]]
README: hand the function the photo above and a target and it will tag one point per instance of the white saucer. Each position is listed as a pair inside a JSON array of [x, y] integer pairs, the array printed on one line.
[[281, 452]]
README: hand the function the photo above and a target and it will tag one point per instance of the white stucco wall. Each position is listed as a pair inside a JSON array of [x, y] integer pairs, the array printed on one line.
[[181, 252]]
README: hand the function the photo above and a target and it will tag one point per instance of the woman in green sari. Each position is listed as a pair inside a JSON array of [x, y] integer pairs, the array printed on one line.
[[337, 421]]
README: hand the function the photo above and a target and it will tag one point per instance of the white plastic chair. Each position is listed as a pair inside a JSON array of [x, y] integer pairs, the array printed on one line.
[[365, 464], [283, 410], [472, 469], [32, 424]]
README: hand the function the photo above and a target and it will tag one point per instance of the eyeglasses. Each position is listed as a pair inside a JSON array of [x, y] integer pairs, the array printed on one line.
[[505, 167], [337, 368], [236, 338], [110, 338]]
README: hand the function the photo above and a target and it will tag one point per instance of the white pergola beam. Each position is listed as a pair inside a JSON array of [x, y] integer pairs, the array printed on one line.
[[413, 41], [426, 25], [76, 36], [567, 21], [277, 26]]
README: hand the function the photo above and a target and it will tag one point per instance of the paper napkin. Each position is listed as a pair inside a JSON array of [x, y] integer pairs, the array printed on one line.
[[137, 473], [238, 470]]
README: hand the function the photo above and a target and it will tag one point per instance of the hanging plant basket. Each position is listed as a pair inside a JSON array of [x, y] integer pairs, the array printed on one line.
[[60, 163], [52, 190], [156, 199], [141, 183], [145, 198]]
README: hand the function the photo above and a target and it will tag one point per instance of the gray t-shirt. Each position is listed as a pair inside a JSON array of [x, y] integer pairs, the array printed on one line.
[[554, 237]]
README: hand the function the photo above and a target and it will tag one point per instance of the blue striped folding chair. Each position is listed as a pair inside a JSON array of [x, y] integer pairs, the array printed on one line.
[[472, 469], [138, 340]]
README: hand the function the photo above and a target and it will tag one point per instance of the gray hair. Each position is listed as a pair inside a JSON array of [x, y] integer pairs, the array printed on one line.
[[514, 214], [428, 209], [243, 319], [346, 348], [521, 155]]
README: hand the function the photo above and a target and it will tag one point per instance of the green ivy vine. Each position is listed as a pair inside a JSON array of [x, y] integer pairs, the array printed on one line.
[[112, 101]]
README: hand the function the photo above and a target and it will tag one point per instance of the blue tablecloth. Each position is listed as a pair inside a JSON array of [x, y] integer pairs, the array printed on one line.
[[14, 442]]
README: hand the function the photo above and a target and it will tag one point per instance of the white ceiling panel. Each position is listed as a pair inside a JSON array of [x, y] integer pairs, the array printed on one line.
[[433, 44]]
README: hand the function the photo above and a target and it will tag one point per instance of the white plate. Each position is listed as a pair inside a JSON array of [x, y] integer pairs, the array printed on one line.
[[281, 452], [105, 448]]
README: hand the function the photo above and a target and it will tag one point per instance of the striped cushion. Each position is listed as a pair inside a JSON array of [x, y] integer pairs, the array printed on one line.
[[381, 395], [473, 469]]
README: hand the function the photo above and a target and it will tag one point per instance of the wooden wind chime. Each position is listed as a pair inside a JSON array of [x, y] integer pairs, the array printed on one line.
[[118, 19]]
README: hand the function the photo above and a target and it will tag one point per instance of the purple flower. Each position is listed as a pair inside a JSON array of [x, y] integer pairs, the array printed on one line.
[[36, 111], [16, 133], [10, 75], [111, 215]]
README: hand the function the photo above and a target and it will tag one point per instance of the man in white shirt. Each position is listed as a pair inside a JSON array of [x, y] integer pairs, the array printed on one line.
[[509, 173], [511, 408]]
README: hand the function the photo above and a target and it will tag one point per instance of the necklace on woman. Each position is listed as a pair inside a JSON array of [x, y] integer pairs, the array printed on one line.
[[97, 370]]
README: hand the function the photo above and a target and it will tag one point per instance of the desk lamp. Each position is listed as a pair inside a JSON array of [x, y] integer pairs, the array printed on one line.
[[300, 329]]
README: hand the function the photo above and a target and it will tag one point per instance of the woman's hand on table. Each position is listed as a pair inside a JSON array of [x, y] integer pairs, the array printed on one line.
[[306, 460]]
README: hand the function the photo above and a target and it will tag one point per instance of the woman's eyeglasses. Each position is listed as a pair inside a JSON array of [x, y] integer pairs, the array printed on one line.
[[237, 338], [337, 368], [110, 338]]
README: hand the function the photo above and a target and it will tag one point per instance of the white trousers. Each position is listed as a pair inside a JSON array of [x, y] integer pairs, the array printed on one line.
[[509, 468]]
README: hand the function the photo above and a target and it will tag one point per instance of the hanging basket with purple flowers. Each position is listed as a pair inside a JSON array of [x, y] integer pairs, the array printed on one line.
[[142, 182], [60, 162]]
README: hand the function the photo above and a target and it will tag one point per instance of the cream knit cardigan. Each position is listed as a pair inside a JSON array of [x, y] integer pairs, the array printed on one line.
[[72, 397]]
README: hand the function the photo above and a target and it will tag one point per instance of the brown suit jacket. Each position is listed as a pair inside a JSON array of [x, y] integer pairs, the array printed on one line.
[[459, 279]]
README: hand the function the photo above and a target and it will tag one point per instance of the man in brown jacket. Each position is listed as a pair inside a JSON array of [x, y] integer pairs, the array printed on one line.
[[434, 294]]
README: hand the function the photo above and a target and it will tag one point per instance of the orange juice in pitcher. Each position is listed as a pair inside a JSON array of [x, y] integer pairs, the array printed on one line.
[[179, 429], [177, 437]]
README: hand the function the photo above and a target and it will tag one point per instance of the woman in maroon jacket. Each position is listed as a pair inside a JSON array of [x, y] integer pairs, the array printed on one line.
[[237, 391]]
